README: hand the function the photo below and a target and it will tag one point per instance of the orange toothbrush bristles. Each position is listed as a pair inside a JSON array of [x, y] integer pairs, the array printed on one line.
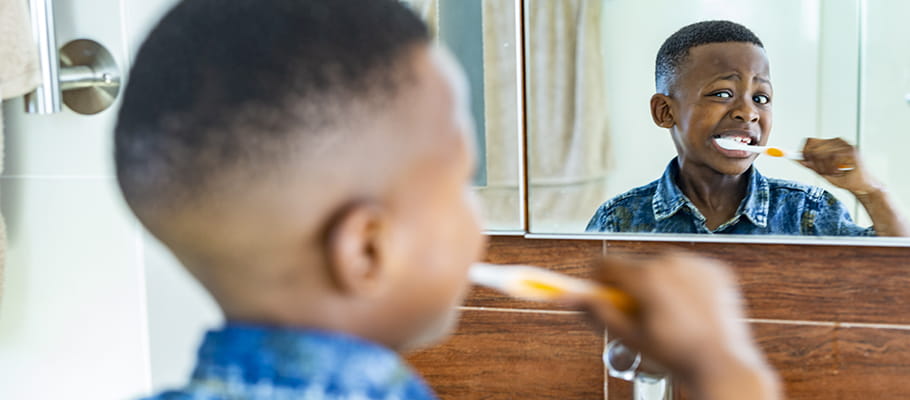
[[774, 152]]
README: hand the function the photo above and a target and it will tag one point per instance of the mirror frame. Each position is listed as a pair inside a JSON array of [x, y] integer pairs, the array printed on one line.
[[522, 134]]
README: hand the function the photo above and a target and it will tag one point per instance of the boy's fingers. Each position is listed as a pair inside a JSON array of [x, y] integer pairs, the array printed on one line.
[[616, 271], [807, 164], [621, 275], [615, 321], [834, 157]]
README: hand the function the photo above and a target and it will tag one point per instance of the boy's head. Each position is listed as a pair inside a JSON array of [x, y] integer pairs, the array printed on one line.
[[713, 80], [309, 161]]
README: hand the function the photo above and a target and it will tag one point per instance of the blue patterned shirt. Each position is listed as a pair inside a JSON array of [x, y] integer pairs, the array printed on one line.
[[251, 362], [771, 206]]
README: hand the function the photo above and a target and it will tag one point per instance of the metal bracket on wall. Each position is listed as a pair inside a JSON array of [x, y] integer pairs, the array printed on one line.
[[650, 381], [83, 75]]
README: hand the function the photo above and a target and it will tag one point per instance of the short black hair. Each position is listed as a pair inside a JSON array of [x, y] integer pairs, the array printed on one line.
[[231, 85], [675, 49]]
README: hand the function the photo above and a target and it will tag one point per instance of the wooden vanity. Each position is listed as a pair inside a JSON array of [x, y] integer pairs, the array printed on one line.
[[833, 320]]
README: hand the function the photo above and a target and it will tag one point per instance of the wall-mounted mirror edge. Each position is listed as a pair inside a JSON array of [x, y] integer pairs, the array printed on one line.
[[521, 93], [505, 233], [485, 38], [520, 139], [737, 239]]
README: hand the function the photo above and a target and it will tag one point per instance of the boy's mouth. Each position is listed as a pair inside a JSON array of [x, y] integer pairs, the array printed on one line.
[[745, 139], [739, 137]]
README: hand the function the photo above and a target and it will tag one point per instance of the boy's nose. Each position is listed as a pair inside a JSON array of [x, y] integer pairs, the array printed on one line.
[[744, 110]]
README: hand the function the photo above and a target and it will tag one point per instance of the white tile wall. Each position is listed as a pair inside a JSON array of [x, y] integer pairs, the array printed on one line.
[[76, 321], [838, 79], [72, 323], [179, 311], [885, 117]]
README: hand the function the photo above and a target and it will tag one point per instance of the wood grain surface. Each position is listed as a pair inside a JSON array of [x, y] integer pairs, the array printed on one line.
[[833, 320], [812, 283], [573, 257], [516, 355], [832, 362]]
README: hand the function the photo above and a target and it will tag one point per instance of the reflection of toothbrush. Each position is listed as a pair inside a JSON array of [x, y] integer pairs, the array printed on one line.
[[538, 284], [732, 144]]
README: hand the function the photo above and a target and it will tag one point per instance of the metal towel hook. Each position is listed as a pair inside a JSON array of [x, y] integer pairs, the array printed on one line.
[[83, 75]]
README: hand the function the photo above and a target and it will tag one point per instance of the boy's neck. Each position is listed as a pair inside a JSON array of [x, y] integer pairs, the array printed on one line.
[[717, 196]]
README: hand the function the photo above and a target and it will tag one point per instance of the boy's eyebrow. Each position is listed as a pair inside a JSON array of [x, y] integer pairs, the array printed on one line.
[[735, 76]]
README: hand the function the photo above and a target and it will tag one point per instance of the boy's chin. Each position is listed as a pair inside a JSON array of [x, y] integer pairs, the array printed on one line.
[[734, 167], [435, 333]]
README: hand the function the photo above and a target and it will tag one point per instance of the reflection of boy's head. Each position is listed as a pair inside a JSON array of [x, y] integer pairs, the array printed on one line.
[[307, 160], [713, 81], [675, 50]]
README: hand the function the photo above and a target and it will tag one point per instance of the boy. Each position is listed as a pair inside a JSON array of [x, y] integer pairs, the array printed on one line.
[[309, 162], [713, 81]]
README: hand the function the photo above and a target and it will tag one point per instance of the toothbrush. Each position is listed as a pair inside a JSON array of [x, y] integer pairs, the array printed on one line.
[[772, 151], [538, 284]]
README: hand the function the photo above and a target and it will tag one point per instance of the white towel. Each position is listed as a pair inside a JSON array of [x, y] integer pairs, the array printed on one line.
[[19, 74], [19, 69]]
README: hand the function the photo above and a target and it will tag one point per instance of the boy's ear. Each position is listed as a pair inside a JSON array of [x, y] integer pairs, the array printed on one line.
[[661, 111], [353, 248]]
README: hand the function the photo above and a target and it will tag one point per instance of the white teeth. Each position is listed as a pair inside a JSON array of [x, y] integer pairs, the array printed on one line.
[[740, 139], [732, 143]]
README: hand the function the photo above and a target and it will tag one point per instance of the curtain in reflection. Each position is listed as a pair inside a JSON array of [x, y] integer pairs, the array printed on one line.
[[500, 196], [567, 124]]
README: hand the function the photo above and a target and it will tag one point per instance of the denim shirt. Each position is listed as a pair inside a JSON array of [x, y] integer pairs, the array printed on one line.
[[771, 206], [251, 362]]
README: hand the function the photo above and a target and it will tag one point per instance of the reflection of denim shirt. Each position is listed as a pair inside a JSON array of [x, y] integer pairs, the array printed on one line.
[[252, 363], [771, 206]]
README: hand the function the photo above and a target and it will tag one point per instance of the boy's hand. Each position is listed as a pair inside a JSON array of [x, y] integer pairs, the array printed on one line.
[[689, 320], [839, 163], [688, 309]]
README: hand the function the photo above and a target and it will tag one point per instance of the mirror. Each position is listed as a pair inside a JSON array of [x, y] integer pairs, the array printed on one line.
[[482, 35], [839, 69]]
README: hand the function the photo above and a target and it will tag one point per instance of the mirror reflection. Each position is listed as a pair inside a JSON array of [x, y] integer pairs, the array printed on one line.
[[619, 143]]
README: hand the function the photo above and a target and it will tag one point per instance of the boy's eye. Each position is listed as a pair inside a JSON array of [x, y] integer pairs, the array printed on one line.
[[761, 99], [724, 94]]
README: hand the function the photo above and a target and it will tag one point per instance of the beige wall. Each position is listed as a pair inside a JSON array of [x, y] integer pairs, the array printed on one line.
[[885, 93]]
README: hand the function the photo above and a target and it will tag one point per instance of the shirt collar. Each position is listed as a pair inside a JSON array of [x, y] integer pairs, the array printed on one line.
[[669, 198], [757, 202]]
